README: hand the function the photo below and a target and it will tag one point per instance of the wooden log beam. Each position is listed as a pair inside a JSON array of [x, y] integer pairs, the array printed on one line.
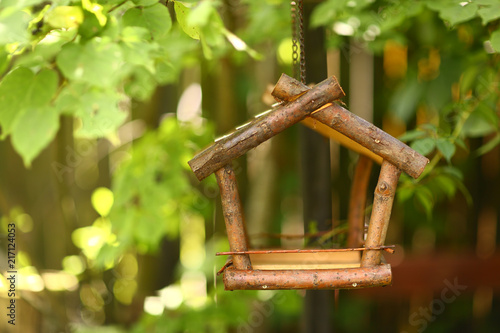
[[381, 213], [357, 129], [261, 129], [348, 278], [233, 216], [340, 138]]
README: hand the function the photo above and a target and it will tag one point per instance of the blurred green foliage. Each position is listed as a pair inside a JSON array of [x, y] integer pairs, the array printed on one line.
[[153, 189], [456, 94], [86, 58]]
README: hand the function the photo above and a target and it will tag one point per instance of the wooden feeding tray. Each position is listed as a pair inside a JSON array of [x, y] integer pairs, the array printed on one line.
[[303, 261], [358, 266]]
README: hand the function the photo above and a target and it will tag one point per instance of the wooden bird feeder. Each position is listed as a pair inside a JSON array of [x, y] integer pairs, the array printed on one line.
[[355, 267]]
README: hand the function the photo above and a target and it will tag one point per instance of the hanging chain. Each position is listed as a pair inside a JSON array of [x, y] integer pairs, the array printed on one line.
[[298, 48]]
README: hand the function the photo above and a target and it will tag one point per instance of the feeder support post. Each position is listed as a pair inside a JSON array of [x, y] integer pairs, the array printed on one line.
[[233, 215], [381, 213]]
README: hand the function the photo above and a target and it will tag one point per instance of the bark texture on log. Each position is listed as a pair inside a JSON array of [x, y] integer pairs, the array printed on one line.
[[381, 213], [357, 129], [261, 129], [348, 278], [233, 216]]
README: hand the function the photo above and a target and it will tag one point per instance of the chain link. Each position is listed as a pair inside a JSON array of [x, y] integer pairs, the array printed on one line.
[[298, 48]]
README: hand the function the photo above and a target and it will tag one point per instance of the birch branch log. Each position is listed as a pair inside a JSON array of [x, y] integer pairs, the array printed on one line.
[[357, 129], [261, 129]]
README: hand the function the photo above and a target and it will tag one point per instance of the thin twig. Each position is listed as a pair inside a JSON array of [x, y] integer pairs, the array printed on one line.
[[226, 265], [298, 236], [387, 248]]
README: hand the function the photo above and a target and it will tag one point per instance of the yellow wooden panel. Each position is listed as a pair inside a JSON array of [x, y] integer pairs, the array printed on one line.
[[320, 260], [340, 138]]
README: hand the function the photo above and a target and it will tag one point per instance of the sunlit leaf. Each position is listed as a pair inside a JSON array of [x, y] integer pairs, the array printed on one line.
[[102, 200], [33, 131], [182, 13], [12, 89], [13, 27], [145, 2], [100, 113], [26, 112], [155, 18], [136, 49], [98, 62], [73, 264], [65, 17], [200, 15]]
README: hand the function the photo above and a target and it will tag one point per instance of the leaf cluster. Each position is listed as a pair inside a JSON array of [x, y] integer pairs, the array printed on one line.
[[87, 59]]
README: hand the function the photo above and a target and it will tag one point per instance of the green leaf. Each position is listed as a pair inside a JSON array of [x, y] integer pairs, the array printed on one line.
[[425, 198], [98, 62], [99, 113], [65, 17], [489, 14], [145, 2], [155, 18], [453, 172], [14, 27], [27, 113], [489, 146], [405, 193], [102, 200], [141, 85], [4, 61], [326, 12], [200, 15], [20, 90], [446, 147], [447, 185], [12, 89], [96, 109], [182, 13], [453, 11], [90, 26], [424, 146], [405, 99], [19, 4], [68, 100], [481, 122], [33, 131], [48, 48], [136, 49], [412, 135], [495, 40]]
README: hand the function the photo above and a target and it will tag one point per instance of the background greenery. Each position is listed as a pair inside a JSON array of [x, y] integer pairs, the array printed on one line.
[[113, 229]]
